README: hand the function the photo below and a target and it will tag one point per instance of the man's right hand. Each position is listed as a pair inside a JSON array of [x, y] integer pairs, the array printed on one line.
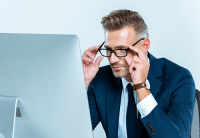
[[89, 67]]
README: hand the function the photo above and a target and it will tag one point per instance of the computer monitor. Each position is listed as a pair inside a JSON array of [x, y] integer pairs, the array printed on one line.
[[42, 87]]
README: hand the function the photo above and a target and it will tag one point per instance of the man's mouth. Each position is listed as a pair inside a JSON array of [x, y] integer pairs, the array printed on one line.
[[117, 67]]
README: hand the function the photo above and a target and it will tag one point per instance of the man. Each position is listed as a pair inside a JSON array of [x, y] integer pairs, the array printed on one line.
[[138, 95]]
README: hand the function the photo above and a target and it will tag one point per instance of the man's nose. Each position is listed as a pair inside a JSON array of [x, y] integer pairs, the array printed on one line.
[[114, 58]]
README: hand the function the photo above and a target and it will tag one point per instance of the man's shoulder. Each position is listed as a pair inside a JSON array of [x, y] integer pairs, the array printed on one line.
[[166, 63], [170, 68], [166, 68], [162, 62]]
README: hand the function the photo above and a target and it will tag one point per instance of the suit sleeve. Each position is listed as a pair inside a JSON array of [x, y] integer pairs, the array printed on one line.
[[93, 106], [176, 123]]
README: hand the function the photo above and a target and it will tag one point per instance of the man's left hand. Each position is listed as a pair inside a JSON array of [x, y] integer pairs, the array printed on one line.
[[138, 66]]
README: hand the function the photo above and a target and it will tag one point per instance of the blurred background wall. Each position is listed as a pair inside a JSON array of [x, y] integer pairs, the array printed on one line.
[[173, 25]]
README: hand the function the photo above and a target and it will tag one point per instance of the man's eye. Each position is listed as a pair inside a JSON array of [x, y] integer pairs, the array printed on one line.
[[119, 49]]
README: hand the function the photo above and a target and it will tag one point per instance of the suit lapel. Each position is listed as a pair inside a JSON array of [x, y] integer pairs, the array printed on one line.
[[113, 99], [153, 75]]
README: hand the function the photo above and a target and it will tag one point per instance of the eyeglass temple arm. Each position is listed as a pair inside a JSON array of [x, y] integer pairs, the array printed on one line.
[[101, 45], [138, 41]]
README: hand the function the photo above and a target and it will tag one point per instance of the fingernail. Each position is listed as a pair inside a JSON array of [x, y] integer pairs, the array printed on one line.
[[92, 57], [89, 59]]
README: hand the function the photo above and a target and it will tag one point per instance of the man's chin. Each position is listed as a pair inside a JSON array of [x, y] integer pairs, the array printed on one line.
[[119, 73]]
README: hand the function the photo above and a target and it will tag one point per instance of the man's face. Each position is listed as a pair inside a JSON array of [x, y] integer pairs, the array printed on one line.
[[120, 39]]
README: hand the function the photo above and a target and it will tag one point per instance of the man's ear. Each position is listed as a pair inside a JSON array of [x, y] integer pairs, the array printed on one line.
[[145, 45]]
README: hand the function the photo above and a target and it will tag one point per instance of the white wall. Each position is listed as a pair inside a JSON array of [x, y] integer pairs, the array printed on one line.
[[173, 25]]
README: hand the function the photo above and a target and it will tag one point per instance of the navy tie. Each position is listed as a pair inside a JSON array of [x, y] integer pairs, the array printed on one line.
[[131, 116]]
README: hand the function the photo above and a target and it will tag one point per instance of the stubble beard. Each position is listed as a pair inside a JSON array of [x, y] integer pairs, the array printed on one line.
[[121, 73]]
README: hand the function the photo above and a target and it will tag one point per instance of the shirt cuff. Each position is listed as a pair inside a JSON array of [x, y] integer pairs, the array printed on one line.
[[146, 105]]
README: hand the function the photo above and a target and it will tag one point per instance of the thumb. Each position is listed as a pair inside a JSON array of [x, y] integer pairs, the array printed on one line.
[[128, 60], [98, 60]]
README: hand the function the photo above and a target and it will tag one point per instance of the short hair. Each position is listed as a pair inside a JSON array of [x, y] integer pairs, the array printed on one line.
[[119, 19]]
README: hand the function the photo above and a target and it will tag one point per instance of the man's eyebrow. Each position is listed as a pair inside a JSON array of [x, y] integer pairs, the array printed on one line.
[[121, 46]]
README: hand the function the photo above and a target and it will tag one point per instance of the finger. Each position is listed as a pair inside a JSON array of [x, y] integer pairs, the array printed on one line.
[[94, 48], [128, 60], [87, 60], [89, 54], [134, 66], [139, 52], [98, 60], [131, 63], [85, 57], [86, 63], [99, 45], [137, 59]]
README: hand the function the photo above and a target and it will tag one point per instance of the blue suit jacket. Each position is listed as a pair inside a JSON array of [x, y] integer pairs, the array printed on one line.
[[171, 85]]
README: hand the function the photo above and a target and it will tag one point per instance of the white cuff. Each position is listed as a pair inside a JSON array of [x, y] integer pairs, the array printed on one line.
[[146, 105]]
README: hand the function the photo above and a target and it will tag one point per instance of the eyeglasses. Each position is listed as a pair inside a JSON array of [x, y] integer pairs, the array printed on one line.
[[117, 52]]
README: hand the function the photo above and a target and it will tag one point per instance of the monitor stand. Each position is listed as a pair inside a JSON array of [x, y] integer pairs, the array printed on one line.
[[8, 106]]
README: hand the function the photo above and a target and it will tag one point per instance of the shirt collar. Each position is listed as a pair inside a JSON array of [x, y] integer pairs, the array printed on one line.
[[125, 83]]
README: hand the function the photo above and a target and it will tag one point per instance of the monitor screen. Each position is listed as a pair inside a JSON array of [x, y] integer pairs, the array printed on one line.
[[42, 83]]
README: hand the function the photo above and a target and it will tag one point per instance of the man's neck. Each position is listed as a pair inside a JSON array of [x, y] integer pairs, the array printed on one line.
[[128, 78]]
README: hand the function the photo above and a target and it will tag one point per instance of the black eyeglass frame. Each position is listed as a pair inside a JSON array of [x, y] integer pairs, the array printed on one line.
[[113, 51]]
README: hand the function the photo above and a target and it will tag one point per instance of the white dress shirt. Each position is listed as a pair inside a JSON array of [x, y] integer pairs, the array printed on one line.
[[144, 107]]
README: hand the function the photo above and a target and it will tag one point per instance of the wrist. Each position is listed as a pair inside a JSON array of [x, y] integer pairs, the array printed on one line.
[[140, 81], [146, 83], [142, 93], [139, 86], [87, 83]]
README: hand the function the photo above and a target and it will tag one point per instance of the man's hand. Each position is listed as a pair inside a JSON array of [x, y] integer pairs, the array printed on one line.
[[89, 67], [138, 66]]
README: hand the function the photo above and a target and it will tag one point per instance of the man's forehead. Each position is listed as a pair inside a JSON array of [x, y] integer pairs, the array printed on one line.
[[117, 34], [125, 36]]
